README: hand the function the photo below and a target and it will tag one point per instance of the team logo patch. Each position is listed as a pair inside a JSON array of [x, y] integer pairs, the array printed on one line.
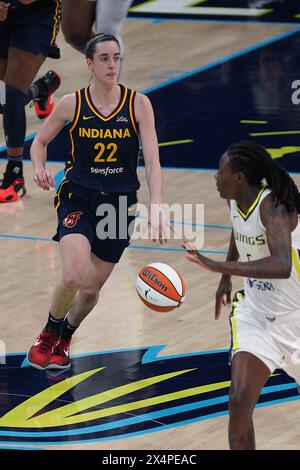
[[117, 394], [72, 219]]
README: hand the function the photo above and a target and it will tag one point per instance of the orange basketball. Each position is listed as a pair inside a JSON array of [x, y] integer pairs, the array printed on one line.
[[160, 287]]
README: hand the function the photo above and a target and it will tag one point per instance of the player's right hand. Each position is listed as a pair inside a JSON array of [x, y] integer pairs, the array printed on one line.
[[4, 10], [223, 295], [44, 179]]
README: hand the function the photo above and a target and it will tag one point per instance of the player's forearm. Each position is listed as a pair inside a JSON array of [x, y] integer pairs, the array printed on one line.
[[232, 254], [154, 180], [38, 155], [272, 267]]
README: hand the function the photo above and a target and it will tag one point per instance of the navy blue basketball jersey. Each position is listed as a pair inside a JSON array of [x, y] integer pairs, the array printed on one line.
[[104, 149], [43, 12]]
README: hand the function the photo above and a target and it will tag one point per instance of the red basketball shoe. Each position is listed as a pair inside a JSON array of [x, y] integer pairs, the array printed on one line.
[[41, 351], [60, 356], [12, 188]]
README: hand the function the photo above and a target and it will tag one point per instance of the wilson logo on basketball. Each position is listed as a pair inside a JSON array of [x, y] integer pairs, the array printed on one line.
[[112, 395], [149, 274], [72, 219]]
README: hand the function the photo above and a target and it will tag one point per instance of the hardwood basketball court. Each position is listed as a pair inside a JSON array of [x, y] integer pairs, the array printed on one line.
[[156, 52]]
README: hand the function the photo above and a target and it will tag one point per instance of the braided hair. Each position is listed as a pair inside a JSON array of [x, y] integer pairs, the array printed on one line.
[[255, 162], [90, 47]]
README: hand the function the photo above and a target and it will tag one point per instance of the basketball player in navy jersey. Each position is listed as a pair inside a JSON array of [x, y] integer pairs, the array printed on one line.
[[265, 320], [28, 29], [106, 122]]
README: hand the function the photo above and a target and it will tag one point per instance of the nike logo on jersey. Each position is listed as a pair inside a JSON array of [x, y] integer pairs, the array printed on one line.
[[132, 208], [85, 118]]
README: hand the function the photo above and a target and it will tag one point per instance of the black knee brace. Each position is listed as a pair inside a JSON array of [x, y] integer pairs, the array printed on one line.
[[14, 119]]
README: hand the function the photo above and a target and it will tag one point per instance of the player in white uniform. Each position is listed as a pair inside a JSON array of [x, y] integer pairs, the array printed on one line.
[[79, 16], [265, 319]]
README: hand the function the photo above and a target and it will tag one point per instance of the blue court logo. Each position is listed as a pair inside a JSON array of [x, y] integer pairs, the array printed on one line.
[[118, 394]]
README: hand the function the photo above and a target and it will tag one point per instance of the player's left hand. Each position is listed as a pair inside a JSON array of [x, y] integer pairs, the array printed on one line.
[[195, 257], [159, 224], [44, 179]]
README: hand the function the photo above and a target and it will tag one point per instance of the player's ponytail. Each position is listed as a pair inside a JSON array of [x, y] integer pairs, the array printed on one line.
[[257, 165]]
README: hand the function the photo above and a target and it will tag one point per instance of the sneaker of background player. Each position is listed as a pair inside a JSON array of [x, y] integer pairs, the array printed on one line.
[[60, 357], [12, 186], [41, 351], [46, 86]]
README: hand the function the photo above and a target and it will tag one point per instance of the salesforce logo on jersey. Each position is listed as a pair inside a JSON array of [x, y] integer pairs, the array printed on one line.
[[107, 171]]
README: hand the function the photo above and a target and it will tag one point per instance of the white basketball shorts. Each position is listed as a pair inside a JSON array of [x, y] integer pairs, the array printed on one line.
[[274, 340]]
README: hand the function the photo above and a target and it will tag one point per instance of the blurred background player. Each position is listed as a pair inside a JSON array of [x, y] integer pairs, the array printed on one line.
[[265, 321], [79, 16], [28, 29]]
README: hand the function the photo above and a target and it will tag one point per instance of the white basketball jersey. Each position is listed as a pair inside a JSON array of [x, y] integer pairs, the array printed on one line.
[[269, 296]]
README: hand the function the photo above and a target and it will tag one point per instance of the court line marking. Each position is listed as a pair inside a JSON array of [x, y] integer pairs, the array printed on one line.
[[164, 168], [181, 8], [161, 427], [251, 121], [140, 418], [12, 447], [222, 60], [151, 357], [137, 247], [152, 19], [258, 134]]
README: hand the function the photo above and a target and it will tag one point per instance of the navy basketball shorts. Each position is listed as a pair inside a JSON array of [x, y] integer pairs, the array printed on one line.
[[105, 219], [33, 32]]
